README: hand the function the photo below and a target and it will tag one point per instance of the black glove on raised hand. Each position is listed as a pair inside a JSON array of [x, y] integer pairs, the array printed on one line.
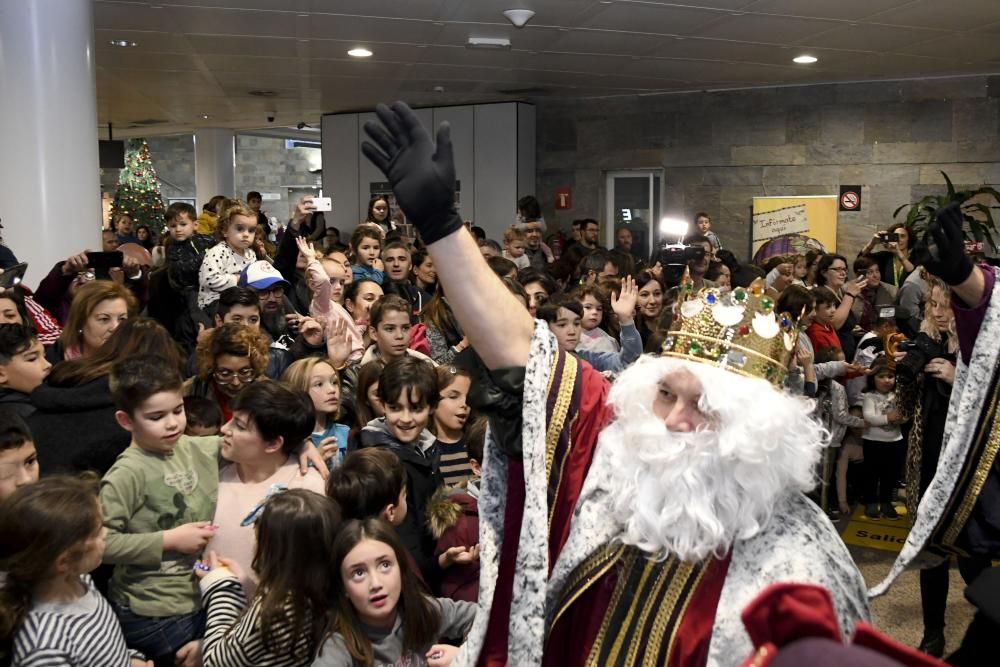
[[422, 176], [947, 259]]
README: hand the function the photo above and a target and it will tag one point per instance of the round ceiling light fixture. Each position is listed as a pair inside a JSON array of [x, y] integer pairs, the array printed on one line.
[[360, 52], [805, 60]]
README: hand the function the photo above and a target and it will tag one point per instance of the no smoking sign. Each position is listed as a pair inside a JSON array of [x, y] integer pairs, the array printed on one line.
[[850, 198]]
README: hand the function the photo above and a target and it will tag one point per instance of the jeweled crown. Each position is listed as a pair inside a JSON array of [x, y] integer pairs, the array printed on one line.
[[736, 329]]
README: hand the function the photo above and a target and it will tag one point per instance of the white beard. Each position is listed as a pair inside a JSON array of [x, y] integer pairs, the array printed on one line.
[[694, 494]]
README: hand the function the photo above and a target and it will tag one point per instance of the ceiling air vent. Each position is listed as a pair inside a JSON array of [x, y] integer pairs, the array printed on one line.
[[146, 122], [263, 93]]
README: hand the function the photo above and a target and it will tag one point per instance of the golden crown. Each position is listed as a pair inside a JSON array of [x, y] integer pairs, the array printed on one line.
[[736, 329]]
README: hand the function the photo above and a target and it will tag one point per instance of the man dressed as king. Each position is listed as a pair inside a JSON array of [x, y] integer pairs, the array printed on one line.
[[630, 524]]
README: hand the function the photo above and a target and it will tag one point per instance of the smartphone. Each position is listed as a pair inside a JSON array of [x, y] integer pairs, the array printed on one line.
[[322, 204], [105, 260], [13, 276]]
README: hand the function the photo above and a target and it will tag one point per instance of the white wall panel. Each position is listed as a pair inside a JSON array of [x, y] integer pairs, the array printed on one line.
[[340, 169]]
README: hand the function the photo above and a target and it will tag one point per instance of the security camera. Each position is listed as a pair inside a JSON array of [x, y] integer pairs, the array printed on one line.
[[270, 119]]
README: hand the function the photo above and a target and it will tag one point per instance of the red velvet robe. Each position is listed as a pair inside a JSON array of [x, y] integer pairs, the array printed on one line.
[[574, 632]]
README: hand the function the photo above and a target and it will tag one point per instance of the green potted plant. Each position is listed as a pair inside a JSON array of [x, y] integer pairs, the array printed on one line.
[[977, 206]]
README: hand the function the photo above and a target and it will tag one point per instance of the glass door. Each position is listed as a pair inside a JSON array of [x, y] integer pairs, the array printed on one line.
[[633, 203]]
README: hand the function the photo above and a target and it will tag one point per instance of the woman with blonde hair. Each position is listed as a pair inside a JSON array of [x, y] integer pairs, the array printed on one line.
[[925, 377], [98, 308]]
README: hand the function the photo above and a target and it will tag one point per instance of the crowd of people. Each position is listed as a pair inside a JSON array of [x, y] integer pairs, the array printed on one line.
[[247, 446]]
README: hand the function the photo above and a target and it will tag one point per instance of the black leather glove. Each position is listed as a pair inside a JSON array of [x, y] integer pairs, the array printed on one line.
[[946, 252], [422, 176]]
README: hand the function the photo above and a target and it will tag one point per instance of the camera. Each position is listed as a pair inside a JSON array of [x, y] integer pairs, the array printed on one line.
[[674, 257], [270, 119], [919, 351], [889, 237]]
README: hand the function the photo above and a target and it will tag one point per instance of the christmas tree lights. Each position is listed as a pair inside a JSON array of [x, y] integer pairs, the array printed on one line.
[[138, 191]]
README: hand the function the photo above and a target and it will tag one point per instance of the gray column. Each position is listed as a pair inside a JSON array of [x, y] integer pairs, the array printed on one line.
[[50, 194], [214, 164]]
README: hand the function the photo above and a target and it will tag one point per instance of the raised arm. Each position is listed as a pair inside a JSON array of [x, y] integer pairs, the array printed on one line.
[[423, 179]]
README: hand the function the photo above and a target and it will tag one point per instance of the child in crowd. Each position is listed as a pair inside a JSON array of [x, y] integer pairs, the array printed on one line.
[[367, 404], [821, 332], [834, 412], [370, 483], [514, 244], [51, 537], [223, 263], [270, 422], [389, 326], [383, 615], [158, 501], [289, 617], [23, 367], [599, 328], [324, 278], [204, 417], [366, 243], [18, 458], [409, 394], [564, 315], [883, 441], [318, 379], [453, 515], [450, 417], [185, 253], [870, 347], [704, 224]]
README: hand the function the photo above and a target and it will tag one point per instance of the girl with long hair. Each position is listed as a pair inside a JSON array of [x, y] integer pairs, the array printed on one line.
[[51, 538], [318, 378], [290, 614], [383, 615]]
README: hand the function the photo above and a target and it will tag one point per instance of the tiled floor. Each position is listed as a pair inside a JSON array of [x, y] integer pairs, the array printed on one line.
[[897, 613]]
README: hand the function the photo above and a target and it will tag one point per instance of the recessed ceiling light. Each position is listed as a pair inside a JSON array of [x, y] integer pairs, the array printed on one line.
[[359, 53], [205, 116], [805, 60], [122, 42]]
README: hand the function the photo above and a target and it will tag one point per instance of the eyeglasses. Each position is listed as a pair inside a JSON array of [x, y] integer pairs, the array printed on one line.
[[839, 269], [226, 376], [275, 293]]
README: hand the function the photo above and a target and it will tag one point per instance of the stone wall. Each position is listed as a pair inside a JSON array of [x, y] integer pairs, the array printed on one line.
[[718, 150]]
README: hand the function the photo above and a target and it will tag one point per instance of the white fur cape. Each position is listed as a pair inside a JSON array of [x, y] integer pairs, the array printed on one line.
[[968, 399], [798, 545]]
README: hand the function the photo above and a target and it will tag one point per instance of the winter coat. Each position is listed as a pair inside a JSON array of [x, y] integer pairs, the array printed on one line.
[[422, 479], [453, 517], [207, 222], [75, 429]]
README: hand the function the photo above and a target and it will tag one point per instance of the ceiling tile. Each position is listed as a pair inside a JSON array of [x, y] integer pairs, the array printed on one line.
[[763, 28], [868, 37], [941, 15], [649, 17], [849, 10]]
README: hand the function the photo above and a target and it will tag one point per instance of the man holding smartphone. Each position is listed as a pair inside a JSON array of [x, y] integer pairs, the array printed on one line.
[[893, 257]]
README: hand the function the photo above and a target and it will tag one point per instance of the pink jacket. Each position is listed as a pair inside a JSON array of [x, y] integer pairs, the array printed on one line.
[[328, 312]]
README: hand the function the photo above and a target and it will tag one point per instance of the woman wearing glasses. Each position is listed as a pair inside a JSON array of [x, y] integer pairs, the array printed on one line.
[[831, 272], [230, 357]]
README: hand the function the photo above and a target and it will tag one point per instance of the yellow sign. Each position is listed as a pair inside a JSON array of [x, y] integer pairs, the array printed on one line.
[[792, 225], [879, 534]]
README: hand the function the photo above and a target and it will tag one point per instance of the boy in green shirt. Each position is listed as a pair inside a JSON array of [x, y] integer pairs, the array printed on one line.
[[158, 501]]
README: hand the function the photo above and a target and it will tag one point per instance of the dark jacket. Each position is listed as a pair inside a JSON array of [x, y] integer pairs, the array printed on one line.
[[16, 402], [184, 260], [75, 428], [422, 480]]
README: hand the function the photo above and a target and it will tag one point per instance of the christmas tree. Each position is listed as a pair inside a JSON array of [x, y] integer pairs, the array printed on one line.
[[138, 192]]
